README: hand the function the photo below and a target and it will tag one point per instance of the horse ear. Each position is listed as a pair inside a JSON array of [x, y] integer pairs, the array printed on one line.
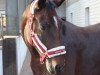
[[41, 3], [58, 2]]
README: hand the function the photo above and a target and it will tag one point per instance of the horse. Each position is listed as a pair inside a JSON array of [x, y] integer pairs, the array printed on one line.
[[82, 50]]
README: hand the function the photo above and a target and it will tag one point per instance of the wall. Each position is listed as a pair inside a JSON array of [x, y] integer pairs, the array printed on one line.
[[71, 2], [21, 53], [61, 11], [21, 47], [2, 4], [2, 8], [78, 10]]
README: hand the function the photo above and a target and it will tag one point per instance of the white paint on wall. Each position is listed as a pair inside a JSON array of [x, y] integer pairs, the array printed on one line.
[[61, 11], [78, 10], [21, 53]]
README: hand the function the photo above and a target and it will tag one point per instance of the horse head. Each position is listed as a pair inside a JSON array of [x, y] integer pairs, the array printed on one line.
[[46, 24]]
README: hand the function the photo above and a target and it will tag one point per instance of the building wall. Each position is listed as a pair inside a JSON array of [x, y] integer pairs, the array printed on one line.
[[2, 7], [2, 11], [61, 11], [2, 4], [21, 50], [78, 10], [20, 8], [70, 2]]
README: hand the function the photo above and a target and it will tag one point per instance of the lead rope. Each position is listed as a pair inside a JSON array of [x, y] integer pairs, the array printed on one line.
[[34, 39]]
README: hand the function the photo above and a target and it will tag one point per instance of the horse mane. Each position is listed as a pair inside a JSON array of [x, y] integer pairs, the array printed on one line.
[[25, 18]]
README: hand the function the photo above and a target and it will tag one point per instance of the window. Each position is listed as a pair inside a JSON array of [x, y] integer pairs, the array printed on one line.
[[71, 17], [3, 20], [87, 16]]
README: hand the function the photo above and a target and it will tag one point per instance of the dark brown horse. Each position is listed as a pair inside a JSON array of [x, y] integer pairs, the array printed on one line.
[[82, 43]]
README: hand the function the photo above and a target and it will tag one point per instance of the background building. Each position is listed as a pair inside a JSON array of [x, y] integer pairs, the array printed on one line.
[[2, 12], [78, 12], [10, 19], [83, 12], [61, 11]]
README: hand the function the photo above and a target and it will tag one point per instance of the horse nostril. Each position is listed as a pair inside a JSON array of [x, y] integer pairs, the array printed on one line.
[[58, 68]]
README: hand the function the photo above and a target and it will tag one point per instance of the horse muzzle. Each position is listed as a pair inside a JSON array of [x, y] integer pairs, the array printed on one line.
[[53, 67], [50, 66]]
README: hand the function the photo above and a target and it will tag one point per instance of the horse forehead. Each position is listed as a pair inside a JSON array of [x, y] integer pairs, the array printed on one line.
[[49, 5]]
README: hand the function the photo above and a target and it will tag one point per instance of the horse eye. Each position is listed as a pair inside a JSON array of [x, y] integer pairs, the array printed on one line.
[[38, 9], [45, 27]]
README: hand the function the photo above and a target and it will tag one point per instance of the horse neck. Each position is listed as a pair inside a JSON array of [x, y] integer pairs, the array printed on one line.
[[69, 27], [69, 39], [69, 32]]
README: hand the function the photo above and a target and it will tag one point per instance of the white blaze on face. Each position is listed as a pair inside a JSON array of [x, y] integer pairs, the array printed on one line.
[[33, 6], [55, 20]]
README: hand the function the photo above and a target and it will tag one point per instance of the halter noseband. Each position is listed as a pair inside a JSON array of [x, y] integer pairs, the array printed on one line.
[[34, 39]]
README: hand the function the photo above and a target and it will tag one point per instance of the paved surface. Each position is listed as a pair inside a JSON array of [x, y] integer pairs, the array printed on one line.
[[26, 70], [1, 64], [1, 67]]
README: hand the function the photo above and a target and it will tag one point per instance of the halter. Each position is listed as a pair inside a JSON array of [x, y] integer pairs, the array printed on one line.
[[34, 39]]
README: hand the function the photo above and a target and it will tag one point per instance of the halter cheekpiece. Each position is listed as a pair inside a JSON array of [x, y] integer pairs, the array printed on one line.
[[34, 39]]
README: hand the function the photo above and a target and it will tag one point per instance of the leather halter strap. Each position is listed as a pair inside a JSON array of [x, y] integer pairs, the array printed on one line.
[[34, 39]]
